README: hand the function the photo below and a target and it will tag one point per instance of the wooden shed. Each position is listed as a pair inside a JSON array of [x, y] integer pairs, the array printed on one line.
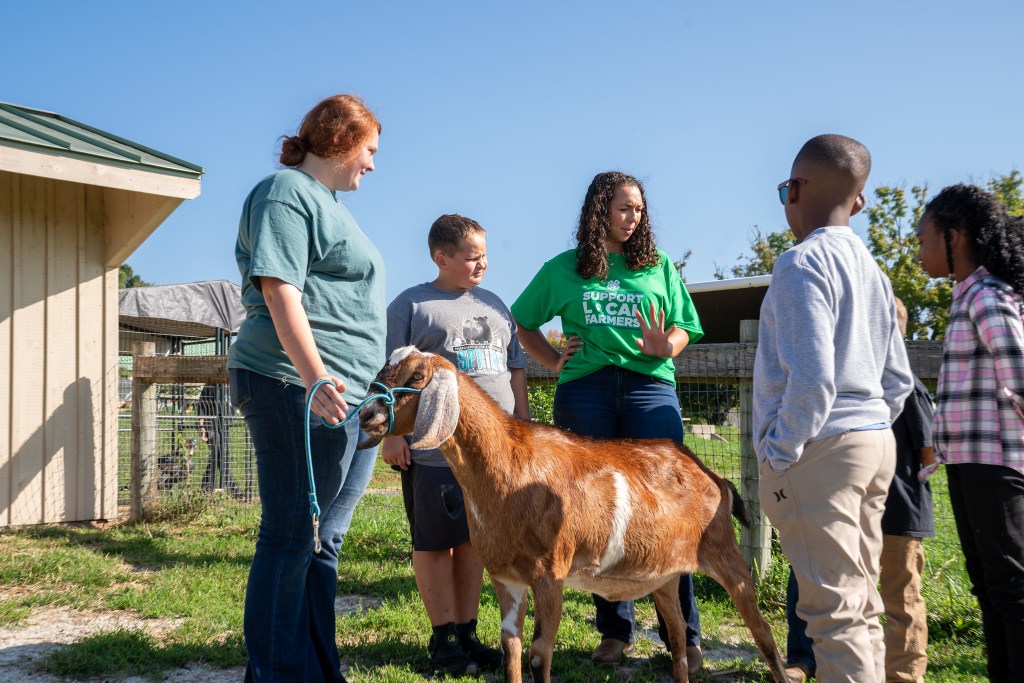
[[75, 202]]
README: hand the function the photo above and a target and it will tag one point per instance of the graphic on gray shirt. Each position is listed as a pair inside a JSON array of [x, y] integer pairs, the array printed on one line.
[[472, 329]]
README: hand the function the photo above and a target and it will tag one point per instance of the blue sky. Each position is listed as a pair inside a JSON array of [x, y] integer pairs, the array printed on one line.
[[504, 111]]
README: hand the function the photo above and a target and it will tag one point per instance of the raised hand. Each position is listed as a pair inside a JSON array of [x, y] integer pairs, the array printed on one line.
[[655, 340]]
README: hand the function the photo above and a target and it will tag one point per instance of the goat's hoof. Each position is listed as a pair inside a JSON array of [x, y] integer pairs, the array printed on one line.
[[610, 651], [798, 673], [694, 659]]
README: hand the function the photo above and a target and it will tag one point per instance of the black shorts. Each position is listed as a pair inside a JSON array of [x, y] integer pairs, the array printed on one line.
[[434, 506]]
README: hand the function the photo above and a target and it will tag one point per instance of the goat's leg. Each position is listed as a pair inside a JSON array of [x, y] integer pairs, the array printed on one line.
[[547, 615], [666, 598], [512, 602], [728, 568]]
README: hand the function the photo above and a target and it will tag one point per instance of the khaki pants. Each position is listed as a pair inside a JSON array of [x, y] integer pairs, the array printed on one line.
[[906, 625], [828, 510]]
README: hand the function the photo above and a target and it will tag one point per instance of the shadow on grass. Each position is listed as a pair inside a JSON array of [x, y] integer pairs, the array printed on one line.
[[126, 652], [139, 547], [391, 588]]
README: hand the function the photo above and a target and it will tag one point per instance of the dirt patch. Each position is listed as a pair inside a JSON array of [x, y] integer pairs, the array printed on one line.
[[24, 645]]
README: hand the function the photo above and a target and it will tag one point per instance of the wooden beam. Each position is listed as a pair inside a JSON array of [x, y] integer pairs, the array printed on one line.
[[85, 172], [131, 218], [184, 369], [756, 538], [143, 463]]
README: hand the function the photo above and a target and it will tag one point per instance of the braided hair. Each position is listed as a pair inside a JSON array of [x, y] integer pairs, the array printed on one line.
[[639, 250], [997, 236]]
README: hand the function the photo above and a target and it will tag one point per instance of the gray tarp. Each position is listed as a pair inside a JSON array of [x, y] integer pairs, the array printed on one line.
[[196, 309]]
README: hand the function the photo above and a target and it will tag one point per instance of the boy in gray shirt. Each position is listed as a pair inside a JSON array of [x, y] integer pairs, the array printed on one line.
[[830, 375], [471, 327]]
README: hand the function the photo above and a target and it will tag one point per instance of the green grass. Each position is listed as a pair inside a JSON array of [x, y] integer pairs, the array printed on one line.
[[195, 572]]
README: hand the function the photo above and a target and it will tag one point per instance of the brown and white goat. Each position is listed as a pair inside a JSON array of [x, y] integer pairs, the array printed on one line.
[[549, 509]]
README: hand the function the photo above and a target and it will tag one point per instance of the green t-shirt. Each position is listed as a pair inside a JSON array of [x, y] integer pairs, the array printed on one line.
[[294, 229], [602, 313]]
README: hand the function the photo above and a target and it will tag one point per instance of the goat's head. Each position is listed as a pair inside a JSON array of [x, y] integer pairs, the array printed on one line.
[[430, 416]]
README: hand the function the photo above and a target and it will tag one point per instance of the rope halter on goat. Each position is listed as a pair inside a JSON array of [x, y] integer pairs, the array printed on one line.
[[387, 395]]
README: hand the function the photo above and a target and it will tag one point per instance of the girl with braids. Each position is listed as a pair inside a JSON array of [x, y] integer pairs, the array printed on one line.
[[626, 315], [313, 290], [967, 233]]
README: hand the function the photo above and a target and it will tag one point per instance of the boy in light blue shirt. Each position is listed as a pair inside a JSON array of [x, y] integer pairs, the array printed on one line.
[[830, 375]]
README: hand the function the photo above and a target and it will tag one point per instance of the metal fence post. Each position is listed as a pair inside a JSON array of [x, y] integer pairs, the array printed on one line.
[[143, 463], [755, 541]]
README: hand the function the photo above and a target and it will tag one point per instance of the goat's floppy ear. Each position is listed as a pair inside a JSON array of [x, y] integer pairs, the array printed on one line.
[[438, 412]]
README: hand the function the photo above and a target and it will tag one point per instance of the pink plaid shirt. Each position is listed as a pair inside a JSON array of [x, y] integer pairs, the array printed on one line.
[[979, 416]]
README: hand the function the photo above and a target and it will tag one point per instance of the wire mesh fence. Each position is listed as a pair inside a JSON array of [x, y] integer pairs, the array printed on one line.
[[204, 454], [202, 446]]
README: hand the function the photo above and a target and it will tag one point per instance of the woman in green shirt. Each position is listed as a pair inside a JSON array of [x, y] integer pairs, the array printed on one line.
[[626, 315]]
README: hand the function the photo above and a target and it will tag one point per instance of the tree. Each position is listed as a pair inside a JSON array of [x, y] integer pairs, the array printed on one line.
[[126, 278], [556, 338], [893, 243], [1010, 190], [764, 249], [681, 263]]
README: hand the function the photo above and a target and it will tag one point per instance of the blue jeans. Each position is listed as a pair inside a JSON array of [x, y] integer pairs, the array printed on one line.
[[799, 648], [614, 403], [289, 600]]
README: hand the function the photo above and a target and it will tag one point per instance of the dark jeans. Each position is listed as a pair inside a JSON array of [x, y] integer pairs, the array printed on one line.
[[615, 403], [798, 645], [988, 505], [289, 600]]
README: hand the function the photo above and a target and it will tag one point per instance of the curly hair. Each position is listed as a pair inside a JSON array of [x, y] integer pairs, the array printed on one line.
[[592, 234], [997, 236], [335, 127]]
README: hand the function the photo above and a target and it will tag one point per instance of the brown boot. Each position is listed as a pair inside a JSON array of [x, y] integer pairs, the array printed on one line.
[[610, 651]]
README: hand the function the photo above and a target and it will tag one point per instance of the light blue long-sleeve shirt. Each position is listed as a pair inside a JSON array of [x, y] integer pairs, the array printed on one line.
[[830, 356]]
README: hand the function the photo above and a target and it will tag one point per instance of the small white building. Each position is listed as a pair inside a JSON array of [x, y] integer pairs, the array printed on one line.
[[75, 202]]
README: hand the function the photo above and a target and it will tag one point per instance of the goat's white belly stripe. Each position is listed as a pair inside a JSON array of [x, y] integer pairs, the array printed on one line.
[[475, 514], [508, 624], [615, 548]]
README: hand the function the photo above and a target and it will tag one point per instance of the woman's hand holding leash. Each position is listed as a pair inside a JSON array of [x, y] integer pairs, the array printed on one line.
[[327, 401]]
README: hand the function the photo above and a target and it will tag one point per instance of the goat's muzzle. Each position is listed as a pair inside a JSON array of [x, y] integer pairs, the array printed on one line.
[[374, 421]]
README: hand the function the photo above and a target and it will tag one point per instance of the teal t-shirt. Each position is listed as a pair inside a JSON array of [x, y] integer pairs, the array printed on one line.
[[602, 313], [293, 228]]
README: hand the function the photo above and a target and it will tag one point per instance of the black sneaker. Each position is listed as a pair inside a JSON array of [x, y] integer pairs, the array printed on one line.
[[446, 654], [487, 658]]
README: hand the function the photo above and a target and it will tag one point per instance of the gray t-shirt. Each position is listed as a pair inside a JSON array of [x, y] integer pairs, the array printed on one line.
[[472, 329], [294, 229]]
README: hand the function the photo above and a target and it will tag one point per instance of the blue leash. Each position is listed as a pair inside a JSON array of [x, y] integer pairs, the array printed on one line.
[[387, 395]]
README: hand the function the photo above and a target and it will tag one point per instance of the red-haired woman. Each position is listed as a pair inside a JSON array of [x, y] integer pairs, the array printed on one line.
[[313, 290]]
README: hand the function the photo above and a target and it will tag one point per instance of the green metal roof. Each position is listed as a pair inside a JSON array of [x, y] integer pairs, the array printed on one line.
[[48, 133]]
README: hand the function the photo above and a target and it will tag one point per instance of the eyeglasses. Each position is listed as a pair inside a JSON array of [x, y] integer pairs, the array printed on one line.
[[784, 188]]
